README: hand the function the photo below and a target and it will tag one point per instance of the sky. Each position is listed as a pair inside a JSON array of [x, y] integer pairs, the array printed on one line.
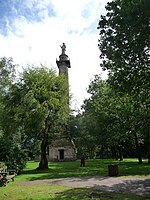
[[32, 31]]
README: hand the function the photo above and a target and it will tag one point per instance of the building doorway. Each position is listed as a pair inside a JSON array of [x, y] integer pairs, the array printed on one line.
[[61, 154]]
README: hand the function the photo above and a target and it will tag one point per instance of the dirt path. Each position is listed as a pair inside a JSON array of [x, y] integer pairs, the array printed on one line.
[[134, 185]]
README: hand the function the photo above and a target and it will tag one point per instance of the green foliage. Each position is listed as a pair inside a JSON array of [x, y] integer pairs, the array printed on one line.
[[7, 73], [7, 76], [124, 44], [33, 110], [37, 107], [16, 159], [41, 101], [84, 142], [12, 154], [113, 122], [2, 165]]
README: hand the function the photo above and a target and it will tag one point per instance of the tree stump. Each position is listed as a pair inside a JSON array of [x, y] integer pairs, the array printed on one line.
[[113, 170]]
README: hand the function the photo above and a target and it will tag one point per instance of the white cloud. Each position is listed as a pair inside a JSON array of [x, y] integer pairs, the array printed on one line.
[[39, 42]]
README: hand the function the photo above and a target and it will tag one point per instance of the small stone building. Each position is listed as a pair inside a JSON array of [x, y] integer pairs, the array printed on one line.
[[62, 149]]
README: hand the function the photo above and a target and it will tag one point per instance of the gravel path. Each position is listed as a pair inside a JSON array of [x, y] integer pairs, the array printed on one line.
[[134, 185]]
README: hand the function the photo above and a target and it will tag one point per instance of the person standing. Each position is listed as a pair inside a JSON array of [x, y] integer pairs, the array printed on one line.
[[82, 161]]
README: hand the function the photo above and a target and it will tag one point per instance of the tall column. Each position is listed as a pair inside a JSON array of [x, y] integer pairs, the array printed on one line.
[[63, 148], [63, 63]]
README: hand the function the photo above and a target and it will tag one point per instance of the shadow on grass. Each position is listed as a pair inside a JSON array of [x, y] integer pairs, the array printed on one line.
[[84, 194], [52, 174], [133, 169], [137, 186], [87, 194]]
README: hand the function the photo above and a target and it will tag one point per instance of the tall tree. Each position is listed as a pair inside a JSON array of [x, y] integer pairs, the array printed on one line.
[[113, 120], [125, 43], [125, 50], [7, 73], [11, 150], [7, 76], [41, 106]]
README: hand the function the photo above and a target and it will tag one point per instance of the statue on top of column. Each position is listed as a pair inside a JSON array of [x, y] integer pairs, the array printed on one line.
[[63, 48]]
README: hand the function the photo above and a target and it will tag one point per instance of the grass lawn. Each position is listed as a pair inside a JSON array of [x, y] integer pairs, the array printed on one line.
[[18, 190]]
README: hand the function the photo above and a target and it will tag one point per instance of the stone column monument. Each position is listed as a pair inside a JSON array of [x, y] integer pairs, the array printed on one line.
[[63, 148], [63, 63]]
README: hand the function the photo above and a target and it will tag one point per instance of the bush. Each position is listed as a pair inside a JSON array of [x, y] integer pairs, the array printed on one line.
[[12, 155], [2, 165], [16, 159]]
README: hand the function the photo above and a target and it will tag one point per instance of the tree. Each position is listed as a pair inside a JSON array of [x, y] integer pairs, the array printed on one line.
[[40, 106], [124, 43], [7, 73], [95, 114], [113, 120], [125, 53], [11, 150]]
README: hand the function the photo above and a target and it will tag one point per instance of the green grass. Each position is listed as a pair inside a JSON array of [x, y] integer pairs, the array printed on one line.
[[18, 190], [46, 192], [128, 167]]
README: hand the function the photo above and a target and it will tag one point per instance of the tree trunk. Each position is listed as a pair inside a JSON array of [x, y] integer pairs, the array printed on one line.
[[120, 153], [149, 156], [101, 152], [44, 162], [138, 149], [148, 148], [114, 152]]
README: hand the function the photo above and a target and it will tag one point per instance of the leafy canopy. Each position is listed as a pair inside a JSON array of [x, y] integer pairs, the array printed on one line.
[[125, 44]]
